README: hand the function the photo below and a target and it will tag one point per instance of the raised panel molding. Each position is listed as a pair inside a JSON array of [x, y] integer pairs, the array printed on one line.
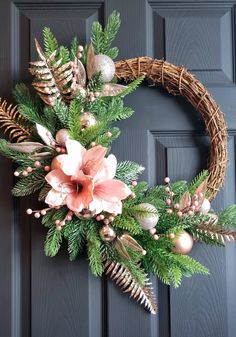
[[199, 36], [65, 21]]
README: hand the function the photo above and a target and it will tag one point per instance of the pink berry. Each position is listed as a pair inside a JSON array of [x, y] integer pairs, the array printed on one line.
[[58, 149], [102, 217], [169, 211], [59, 228], [179, 214], [96, 94], [132, 195], [144, 252], [155, 237], [53, 143], [176, 206], [25, 173], [190, 212], [196, 203], [134, 183], [167, 180], [152, 231], [172, 194], [92, 99], [98, 218], [106, 221], [193, 207], [29, 169], [79, 55], [16, 174], [93, 144], [111, 218], [167, 189], [37, 164], [43, 212], [29, 211], [37, 215], [80, 48], [47, 168], [57, 222], [168, 201], [201, 195], [109, 134], [68, 217]]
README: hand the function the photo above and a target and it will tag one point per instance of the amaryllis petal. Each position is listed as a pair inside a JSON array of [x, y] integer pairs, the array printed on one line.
[[93, 160], [111, 190], [55, 198], [72, 162], [83, 195], [96, 205], [112, 207], [59, 181], [108, 170]]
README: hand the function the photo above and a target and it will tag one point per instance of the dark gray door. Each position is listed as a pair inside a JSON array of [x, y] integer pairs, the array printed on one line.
[[43, 297]]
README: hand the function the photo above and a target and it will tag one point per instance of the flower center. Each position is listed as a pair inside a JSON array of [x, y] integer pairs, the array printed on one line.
[[79, 187]]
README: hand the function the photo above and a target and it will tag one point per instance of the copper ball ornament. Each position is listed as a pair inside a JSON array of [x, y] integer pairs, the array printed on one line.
[[147, 221], [205, 207], [183, 243], [105, 65], [62, 136], [107, 233], [87, 119]]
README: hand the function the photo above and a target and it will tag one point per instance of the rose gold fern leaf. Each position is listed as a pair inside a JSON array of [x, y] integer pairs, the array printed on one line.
[[13, 123], [123, 278], [52, 79], [217, 232]]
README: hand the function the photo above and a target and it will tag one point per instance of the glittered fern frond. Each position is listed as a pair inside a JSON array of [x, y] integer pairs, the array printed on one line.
[[218, 233], [13, 123], [124, 279], [53, 79]]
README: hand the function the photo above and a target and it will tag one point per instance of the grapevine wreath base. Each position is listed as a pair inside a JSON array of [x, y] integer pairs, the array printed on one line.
[[60, 136]]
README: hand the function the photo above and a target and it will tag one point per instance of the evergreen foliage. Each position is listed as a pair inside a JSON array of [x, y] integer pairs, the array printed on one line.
[[102, 39], [50, 42]]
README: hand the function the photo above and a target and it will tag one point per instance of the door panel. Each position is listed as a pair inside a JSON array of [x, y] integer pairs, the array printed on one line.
[[44, 297]]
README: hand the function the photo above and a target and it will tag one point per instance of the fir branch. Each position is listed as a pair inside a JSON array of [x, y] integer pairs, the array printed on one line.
[[75, 232], [53, 241], [102, 39], [128, 171], [227, 217], [94, 249], [132, 86], [30, 184], [127, 223], [74, 48], [110, 31], [105, 139], [28, 105], [95, 83], [89, 134], [61, 110], [75, 110], [64, 54], [197, 181], [50, 42]]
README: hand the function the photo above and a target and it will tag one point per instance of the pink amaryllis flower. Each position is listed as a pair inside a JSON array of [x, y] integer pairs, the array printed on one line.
[[85, 179]]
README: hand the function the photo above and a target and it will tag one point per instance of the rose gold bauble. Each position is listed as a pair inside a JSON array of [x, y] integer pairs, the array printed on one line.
[[105, 65], [183, 243], [107, 234], [62, 136], [56, 163], [87, 119]]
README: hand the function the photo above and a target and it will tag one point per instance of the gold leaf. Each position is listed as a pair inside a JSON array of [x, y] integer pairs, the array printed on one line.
[[185, 201], [112, 89], [131, 243], [90, 61], [26, 147], [122, 277], [13, 123]]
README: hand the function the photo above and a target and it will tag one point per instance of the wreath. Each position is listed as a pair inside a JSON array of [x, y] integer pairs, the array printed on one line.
[[60, 136]]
